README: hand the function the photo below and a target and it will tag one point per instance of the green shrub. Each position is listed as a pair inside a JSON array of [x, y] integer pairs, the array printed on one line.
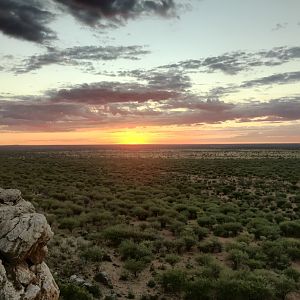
[[129, 249], [172, 259], [238, 258], [290, 228], [94, 254], [71, 291], [135, 266], [117, 233], [206, 221], [210, 246], [200, 289], [173, 281], [69, 223], [228, 229]]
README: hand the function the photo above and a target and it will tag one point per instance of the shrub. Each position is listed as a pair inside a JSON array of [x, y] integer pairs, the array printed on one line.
[[200, 289], [141, 213], [135, 266], [71, 291], [201, 232], [69, 223], [205, 259], [290, 228], [172, 259], [238, 258], [189, 241], [116, 234], [173, 281], [94, 254], [210, 246], [129, 249], [206, 221], [228, 229]]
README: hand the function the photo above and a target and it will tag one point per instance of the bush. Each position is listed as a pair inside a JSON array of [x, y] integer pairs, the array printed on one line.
[[205, 259], [116, 234], [69, 223], [290, 228], [200, 289], [228, 229], [172, 259], [189, 241], [206, 221], [201, 232], [173, 281], [238, 258], [135, 266], [71, 291], [94, 254], [210, 246], [129, 249]]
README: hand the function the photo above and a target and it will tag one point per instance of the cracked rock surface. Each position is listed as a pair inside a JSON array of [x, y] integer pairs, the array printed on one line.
[[23, 238]]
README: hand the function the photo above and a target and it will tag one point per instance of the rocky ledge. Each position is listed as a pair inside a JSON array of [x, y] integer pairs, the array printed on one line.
[[23, 246]]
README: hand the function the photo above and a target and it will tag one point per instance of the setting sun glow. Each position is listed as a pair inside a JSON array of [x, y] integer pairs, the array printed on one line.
[[132, 138]]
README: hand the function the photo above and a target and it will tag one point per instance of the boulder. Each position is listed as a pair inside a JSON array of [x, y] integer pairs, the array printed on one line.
[[23, 246]]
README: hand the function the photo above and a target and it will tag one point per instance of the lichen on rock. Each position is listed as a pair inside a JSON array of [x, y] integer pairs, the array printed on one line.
[[23, 246]]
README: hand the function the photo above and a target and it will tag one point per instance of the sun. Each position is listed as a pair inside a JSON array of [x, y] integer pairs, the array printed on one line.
[[132, 138]]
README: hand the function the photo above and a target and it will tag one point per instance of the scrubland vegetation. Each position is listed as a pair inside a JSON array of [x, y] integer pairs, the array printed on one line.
[[166, 228]]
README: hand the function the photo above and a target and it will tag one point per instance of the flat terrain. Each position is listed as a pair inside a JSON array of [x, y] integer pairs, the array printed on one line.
[[166, 223]]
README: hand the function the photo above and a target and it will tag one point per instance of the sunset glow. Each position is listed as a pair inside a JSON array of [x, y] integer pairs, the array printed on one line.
[[132, 138]]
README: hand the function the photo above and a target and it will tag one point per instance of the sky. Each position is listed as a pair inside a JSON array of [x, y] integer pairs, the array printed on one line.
[[149, 71]]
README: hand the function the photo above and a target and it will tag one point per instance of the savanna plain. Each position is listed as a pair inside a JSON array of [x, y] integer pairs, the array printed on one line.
[[142, 222]]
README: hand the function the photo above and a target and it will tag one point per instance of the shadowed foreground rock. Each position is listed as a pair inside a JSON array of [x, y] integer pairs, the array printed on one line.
[[23, 238]]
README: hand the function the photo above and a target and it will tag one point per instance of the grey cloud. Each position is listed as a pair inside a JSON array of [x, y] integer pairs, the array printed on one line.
[[108, 12], [26, 20], [281, 78], [67, 111], [109, 92], [238, 61], [280, 26], [169, 80], [82, 56], [29, 20]]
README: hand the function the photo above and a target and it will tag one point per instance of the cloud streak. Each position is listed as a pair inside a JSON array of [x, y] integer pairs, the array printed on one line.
[[281, 78], [82, 56], [239, 61]]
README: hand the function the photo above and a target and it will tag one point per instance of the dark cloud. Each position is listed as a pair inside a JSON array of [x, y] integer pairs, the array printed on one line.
[[95, 12], [282, 78], [29, 20], [26, 20], [109, 92], [81, 56]]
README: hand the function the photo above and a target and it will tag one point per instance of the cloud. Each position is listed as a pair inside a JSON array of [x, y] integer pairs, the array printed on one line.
[[108, 12], [115, 105], [280, 26], [25, 20], [162, 79], [109, 92], [82, 56], [238, 61], [282, 78], [29, 20]]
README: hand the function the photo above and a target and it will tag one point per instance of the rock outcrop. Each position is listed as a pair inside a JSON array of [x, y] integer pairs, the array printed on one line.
[[23, 238]]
